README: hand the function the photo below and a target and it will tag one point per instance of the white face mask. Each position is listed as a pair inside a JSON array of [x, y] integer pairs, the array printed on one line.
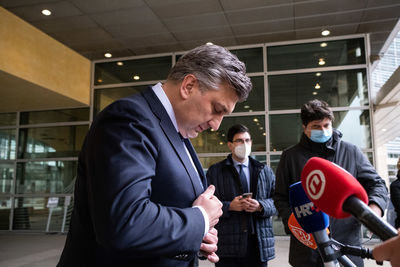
[[242, 151]]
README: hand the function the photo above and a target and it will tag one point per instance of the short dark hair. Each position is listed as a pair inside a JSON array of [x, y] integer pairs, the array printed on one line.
[[316, 110], [235, 129], [213, 65]]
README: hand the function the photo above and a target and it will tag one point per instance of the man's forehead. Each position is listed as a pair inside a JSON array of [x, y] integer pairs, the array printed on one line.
[[322, 121]]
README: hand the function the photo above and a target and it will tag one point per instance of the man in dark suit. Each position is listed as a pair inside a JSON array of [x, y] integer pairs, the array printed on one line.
[[139, 193]]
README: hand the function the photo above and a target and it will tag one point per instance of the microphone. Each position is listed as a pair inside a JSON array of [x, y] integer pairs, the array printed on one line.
[[315, 222], [301, 235], [339, 194]]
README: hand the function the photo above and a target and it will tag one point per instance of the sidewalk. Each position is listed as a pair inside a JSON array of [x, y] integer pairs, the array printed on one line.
[[43, 250]]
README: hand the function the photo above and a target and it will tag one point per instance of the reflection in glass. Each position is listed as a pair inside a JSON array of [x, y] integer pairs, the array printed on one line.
[[8, 119], [32, 213], [337, 88], [104, 97], [274, 162], [49, 142], [6, 177], [45, 177], [311, 55], [147, 69], [5, 208], [286, 129], [7, 144], [52, 116], [216, 141], [251, 57], [255, 101], [206, 162]]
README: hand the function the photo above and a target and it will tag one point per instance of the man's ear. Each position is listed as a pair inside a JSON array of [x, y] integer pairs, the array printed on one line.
[[230, 146], [187, 86]]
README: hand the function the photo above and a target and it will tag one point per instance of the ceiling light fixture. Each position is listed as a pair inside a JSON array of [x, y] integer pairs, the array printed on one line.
[[247, 106], [321, 61], [325, 32], [317, 86], [108, 55], [46, 12], [209, 43], [120, 63], [314, 93], [136, 77], [255, 120], [318, 74], [323, 45]]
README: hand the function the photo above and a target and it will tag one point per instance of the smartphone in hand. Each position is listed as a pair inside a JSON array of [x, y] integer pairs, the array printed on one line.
[[247, 195]]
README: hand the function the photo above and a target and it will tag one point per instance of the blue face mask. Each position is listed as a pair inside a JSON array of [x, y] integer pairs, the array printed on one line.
[[320, 136]]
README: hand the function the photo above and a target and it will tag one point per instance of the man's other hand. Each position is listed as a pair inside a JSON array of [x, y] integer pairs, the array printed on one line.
[[210, 204]]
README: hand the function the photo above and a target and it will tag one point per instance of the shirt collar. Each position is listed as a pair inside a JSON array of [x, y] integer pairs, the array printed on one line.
[[236, 163], [158, 90]]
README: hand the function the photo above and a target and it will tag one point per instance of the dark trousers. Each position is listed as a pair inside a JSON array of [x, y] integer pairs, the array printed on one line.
[[252, 258]]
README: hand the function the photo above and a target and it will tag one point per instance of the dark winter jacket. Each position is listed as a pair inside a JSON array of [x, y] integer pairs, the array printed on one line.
[[395, 197], [346, 155], [232, 227]]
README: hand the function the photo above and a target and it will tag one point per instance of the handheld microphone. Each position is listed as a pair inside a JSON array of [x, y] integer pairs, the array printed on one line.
[[301, 235], [315, 222], [339, 194]]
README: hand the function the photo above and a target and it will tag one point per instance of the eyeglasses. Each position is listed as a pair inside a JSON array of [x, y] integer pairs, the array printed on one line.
[[242, 141]]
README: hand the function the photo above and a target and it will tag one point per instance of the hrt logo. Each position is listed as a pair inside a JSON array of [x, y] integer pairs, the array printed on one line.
[[305, 210], [315, 184]]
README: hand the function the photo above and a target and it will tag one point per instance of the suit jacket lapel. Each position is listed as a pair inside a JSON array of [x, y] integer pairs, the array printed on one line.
[[175, 140]]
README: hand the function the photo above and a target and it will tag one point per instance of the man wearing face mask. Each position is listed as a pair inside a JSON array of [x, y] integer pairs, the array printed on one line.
[[319, 139], [245, 188]]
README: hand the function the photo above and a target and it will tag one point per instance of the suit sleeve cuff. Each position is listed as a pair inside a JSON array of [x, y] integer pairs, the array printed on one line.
[[205, 217]]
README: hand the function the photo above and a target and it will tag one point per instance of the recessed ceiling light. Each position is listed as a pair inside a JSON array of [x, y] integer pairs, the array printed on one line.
[[209, 43], [108, 55], [325, 32], [46, 12], [120, 63], [318, 74], [255, 120], [136, 77], [317, 86], [323, 45], [321, 61], [264, 134], [221, 143], [247, 106], [99, 80], [314, 93]]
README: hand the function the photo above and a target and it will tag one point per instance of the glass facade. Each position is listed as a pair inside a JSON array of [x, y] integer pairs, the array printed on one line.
[[284, 77], [38, 163], [38, 150]]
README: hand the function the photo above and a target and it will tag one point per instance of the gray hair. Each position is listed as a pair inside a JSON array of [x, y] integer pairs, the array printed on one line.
[[213, 65]]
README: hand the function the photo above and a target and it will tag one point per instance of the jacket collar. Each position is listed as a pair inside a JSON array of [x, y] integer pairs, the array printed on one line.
[[172, 134]]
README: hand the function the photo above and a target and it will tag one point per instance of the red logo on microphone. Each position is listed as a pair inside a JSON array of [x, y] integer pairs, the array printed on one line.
[[315, 184]]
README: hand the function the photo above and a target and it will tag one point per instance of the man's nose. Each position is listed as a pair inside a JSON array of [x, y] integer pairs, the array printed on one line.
[[216, 122]]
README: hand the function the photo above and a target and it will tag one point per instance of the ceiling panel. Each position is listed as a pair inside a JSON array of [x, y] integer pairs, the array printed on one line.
[[65, 24], [327, 20], [15, 3], [125, 16], [196, 22], [204, 34], [260, 14], [59, 9], [149, 40], [139, 28], [167, 10], [265, 27], [327, 6], [103, 6], [392, 11], [251, 4]]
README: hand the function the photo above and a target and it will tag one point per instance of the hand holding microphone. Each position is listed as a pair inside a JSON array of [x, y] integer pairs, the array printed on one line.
[[336, 192]]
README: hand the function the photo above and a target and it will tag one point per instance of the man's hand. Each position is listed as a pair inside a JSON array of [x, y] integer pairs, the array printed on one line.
[[252, 205], [389, 251], [210, 204], [237, 204], [209, 246]]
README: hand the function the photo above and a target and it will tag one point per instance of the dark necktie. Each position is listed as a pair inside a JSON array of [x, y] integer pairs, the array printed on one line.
[[243, 179]]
